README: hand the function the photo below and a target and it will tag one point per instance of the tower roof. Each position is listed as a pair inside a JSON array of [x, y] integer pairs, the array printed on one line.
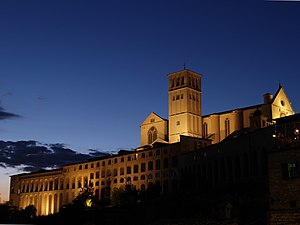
[[185, 71]]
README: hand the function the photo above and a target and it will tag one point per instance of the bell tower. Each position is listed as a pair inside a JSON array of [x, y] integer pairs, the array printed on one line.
[[185, 113]]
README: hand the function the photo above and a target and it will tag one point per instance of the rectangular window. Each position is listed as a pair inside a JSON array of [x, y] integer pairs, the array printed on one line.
[[290, 170], [135, 168], [157, 164], [115, 172], [143, 167], [97, 175], [121, 171], [91, 175], [150, 165], [128, 169]]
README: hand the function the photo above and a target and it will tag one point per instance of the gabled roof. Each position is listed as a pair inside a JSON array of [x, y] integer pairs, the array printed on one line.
[[285, 97], [280, 89], [154, 116]]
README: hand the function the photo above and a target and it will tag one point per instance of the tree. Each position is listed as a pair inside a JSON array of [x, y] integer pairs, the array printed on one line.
[[30, 212], [85, 200]]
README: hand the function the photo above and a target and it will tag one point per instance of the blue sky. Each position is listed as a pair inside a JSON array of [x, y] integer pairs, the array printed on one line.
[[87, 73]]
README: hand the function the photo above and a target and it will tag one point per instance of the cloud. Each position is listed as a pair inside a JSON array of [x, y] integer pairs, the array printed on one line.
[[40, 98], [6, 115], [31, 156]]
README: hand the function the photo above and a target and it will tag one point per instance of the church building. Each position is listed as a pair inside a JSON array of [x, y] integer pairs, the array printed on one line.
[[167, 147], [185, 114]]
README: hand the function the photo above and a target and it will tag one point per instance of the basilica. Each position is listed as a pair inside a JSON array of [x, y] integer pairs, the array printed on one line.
[[185, 150]]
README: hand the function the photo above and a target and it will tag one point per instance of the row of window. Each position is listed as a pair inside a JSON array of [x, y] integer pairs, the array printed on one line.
[[86, 183], [192, 97], [231, 168], [54, 185], [180, 81], [226, 126], [152, 136]]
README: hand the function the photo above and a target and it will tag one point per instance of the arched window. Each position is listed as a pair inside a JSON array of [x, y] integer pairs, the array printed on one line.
[[205, 130], [152, 135], [227, 127]]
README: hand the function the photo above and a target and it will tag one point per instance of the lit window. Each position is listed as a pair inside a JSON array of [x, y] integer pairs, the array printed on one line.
[[290, 170]]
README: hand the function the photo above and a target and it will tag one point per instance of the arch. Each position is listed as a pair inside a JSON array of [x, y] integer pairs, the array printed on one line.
[[152, 135]]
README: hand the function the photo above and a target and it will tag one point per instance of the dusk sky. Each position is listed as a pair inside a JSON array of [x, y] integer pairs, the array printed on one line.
[[81, 75]]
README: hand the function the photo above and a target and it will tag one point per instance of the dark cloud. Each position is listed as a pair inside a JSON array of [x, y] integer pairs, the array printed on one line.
[[32, 156], [96, 153], [6, 115]]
